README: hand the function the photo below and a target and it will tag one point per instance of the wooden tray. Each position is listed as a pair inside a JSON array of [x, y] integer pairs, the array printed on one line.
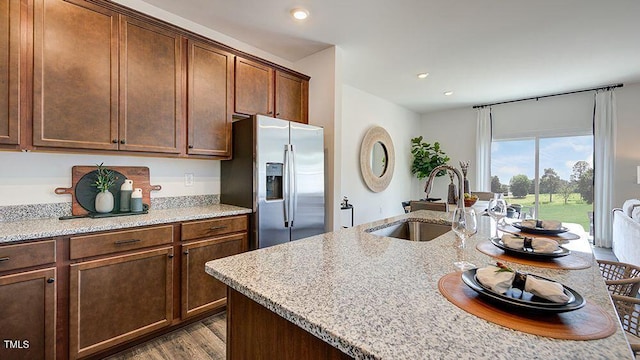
[[574, 261], [139, 175], [589, 323]]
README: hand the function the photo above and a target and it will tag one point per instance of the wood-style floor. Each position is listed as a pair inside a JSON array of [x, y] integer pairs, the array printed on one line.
[[201, 340]]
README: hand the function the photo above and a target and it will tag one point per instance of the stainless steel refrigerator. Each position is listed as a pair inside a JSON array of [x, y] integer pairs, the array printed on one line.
[[278, 171]]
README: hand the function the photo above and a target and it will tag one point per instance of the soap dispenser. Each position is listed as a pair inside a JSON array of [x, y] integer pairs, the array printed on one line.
[[125, 195]]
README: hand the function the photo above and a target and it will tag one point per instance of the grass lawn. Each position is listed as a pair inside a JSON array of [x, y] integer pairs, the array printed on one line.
[[575, 211]]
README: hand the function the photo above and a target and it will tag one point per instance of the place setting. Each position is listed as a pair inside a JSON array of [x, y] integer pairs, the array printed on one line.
[[532, 242], [526, 302]]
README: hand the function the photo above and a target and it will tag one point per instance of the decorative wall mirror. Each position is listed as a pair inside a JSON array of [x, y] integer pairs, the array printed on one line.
[[377, 159]]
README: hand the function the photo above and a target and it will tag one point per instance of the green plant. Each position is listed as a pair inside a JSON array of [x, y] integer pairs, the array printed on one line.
[[426, 157], [104, 179]]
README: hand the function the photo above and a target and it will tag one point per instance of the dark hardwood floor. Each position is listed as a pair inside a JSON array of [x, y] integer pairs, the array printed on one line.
[[201, 340]]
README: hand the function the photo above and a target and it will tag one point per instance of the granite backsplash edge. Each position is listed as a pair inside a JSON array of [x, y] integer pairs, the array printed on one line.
[[53, 210]]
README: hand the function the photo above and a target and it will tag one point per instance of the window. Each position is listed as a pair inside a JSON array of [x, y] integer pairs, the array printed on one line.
[[550, 177]]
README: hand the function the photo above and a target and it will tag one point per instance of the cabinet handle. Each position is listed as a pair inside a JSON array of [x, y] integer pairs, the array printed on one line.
[[6, 258], [270, 112], [170, 256], [190, 146], [122, 141], [218, 227], [50, 280], [186, 252], [115, 141], [277, 114], [130, 241]]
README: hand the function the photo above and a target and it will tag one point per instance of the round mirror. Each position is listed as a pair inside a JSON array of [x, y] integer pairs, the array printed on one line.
[[377, 159]]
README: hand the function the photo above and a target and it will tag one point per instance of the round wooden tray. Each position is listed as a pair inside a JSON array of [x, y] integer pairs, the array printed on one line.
[[589, 323], [574, 261]]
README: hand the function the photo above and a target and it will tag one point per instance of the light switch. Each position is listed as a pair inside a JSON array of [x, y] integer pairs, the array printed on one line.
[[188, 179]]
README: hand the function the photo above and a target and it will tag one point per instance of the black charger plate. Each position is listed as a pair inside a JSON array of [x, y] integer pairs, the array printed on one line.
[[537, 230], [528, 253]]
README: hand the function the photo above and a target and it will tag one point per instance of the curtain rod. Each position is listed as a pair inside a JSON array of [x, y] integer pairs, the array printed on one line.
[[608, 87]]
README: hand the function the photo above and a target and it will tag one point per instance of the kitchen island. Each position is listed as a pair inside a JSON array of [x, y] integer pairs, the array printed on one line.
[[377, 297]]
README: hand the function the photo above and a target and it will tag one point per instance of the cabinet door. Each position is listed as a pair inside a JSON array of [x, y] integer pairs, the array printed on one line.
[[201, 291], [27, 310], [253, 88], [150, 87], [292, 94], [116, 299], [75, 75], [9, 68], [210, 106]]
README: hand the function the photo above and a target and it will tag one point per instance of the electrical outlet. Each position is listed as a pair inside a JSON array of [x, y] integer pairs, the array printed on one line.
[[380, 209], [188, 179]]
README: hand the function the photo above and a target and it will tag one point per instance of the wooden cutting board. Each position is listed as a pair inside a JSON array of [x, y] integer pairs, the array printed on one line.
[[139, 175]]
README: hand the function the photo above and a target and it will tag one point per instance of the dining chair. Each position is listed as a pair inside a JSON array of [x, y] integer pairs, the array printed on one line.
[[628, 310], [621, 278], [428, 205]]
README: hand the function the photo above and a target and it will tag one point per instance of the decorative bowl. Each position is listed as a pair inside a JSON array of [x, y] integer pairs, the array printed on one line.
[[469, 202]]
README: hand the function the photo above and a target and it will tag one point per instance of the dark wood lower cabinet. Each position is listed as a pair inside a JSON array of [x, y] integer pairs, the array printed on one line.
[[119, 298], [200, 291], [27, 315], [255, 332]]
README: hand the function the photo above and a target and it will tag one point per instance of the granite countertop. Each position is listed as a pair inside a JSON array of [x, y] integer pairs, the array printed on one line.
[[41, 228], [377, 297]]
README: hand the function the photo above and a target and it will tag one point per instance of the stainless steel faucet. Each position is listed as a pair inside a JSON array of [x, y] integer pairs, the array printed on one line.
[[432, 175]]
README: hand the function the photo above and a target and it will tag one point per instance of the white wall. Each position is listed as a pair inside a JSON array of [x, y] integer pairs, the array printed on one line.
[[360, 111], [628, 144], [455, 130], [31, 177], [447, 128], [325, 98]]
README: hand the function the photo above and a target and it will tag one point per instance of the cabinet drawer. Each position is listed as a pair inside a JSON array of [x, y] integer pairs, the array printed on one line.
[[92, 245], [205, 228], [25, 255]]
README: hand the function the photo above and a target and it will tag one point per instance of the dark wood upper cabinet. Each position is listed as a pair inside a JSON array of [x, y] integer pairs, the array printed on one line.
[[210, 99], [150, 88], [253, 88], [75, 102], [9, 70], [292, 94]]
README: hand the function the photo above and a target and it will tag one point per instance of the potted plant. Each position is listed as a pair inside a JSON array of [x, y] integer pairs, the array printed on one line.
[[105, 178], [426, 157]]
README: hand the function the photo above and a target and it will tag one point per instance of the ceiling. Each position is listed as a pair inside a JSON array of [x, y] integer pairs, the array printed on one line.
[[482, 50]]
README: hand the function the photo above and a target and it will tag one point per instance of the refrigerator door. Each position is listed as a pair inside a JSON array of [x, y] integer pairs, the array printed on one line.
[[272, 137], [307, 181]]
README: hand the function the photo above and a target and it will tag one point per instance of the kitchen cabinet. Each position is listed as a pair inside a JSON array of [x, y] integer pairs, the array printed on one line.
[[75, 84], [118, 298], [150, 88], [200, 291], [261, 89], [292, 96], [210, 99], [28, 301], [9, 69]]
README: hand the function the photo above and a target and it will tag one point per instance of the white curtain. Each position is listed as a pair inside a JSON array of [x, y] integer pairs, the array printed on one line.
[[604, 121], [483, 150]]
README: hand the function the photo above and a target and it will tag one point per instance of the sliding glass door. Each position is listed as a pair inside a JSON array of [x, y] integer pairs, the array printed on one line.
[[546, 177]]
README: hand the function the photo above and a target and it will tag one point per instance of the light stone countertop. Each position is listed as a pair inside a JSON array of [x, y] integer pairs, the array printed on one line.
[[377, 298], [43, 228]]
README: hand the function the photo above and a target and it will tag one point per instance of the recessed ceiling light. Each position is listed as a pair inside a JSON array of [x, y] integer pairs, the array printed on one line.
[[299, 13], [448, 93], [422, 75]]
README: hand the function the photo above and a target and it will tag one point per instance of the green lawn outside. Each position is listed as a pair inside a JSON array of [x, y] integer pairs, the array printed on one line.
[[575, 211]]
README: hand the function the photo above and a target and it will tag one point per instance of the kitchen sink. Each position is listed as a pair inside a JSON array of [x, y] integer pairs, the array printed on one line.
[[412, 230]]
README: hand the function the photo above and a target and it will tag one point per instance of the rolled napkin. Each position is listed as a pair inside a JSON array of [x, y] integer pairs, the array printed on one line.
[[544, 224], [537, 244], [501, 280]]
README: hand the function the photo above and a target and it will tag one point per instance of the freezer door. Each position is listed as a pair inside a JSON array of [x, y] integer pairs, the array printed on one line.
[[272, 136], [308, 180]]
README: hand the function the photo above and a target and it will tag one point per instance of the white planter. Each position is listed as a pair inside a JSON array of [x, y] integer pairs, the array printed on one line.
[[104, 202]]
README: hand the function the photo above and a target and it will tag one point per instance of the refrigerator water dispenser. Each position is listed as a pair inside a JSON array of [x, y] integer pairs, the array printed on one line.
[[274, 181]]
